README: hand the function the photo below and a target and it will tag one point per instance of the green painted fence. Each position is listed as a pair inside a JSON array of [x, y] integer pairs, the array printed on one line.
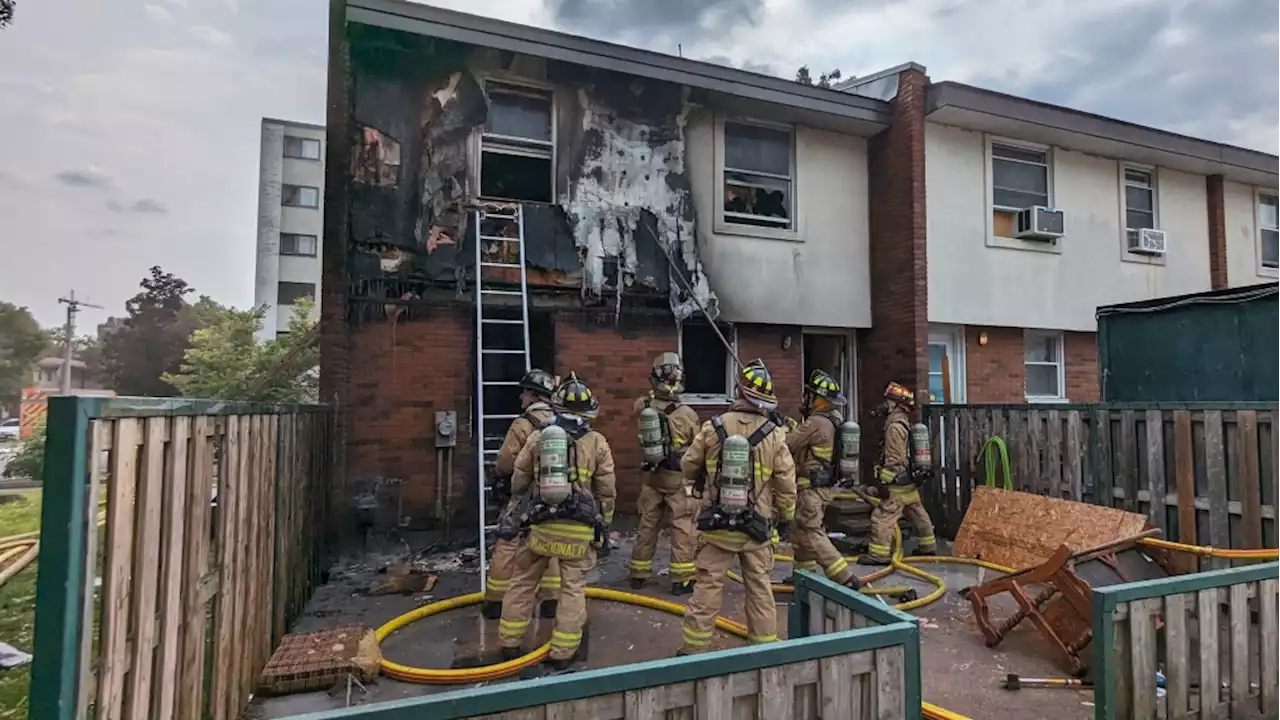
[[194, 594], [1213, 635], [848, 657]]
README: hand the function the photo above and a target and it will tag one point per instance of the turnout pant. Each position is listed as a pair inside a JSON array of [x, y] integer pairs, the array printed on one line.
[[517, 605], [901, 501], [654, 503], [708, 592], [498, 580], [813, 549]]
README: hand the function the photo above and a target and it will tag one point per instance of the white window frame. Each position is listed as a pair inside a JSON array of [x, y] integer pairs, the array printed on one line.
[[729, 369], [1153, 172], [793, 231], [849, 373], [1263, 270], [315, 239], [1058, 336], [991, 208], [300, 205], [510, 145], [304, 141]]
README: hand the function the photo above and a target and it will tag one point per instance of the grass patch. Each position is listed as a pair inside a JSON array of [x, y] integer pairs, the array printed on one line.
[[18, 605]]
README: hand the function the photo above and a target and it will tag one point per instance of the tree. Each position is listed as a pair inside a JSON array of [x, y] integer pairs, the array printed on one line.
[[21, 343], [28, 461], [152, 339], [6, 11], [224, 362], [824, 80]]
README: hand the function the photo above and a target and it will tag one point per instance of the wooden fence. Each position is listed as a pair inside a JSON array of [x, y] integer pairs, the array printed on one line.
[[1213, 635], [848, 657], [214, 517], [1211, 468]]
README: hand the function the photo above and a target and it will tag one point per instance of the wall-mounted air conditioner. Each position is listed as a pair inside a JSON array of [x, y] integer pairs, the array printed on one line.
[[1040, 223], [1146, 241]]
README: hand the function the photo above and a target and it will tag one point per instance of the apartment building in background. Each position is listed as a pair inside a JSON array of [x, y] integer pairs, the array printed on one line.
[[891, 228], [290, 220]]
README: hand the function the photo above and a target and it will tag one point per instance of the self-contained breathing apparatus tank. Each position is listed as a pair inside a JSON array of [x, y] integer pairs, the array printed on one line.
[[850, 446], [653, 446], [554, 486], [921, 453], [733, 480]]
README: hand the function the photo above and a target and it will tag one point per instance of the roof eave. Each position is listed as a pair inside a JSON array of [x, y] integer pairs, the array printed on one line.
[[486, 32]]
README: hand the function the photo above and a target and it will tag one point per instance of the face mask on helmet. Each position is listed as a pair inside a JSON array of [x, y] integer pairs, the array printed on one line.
[[667, 376]]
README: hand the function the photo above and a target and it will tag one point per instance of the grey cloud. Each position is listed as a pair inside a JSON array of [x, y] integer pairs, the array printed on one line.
[[90, 178], [1203, 69], [143, 206], [673, 19]]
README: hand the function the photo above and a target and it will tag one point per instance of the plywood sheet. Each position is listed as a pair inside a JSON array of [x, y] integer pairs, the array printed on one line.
[[1021, 530]]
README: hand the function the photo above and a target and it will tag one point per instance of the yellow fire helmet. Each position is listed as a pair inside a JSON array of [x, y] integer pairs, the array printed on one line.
[[755, 382], [823, 385]]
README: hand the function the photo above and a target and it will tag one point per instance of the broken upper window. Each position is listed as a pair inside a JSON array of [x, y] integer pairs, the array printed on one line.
[[757, 175], [378, 160], [516, 148]]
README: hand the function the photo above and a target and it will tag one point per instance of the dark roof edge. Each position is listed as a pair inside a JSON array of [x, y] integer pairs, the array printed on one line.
[[853, 82], [968, 97], [291, 123], [488, 32], [1224, 296]]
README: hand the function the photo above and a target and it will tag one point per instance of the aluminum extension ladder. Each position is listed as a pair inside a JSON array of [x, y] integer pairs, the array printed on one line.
[[499, 233]]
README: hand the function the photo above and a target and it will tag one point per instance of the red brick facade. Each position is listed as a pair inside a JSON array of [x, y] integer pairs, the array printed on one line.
[[1217, 232], [995, 373]]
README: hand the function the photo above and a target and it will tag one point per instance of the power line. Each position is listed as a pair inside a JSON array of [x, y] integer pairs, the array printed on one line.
[[73, 307]]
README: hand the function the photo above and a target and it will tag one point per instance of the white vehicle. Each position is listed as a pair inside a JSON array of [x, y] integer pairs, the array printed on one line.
[[9, 429]]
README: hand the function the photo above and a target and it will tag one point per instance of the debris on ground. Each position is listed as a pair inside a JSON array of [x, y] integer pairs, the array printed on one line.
[[307, 662], [11, 657], [404, 579]]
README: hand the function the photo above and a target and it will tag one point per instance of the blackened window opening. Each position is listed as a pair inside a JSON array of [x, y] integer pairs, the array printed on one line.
[[706, 361]]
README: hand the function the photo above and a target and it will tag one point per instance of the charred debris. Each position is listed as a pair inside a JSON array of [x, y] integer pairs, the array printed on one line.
[[596, 158]]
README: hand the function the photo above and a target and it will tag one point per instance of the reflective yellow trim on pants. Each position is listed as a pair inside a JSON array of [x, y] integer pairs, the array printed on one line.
[[495, 585], [877, 550], [512, 629], [928, 541], [565, 640], [693, 638], [834, 569], [683, 568], [822, 452], [758, 639], [641, 565], [549, 582]]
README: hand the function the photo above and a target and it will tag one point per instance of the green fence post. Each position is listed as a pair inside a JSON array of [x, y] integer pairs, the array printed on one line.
[[60, 582]]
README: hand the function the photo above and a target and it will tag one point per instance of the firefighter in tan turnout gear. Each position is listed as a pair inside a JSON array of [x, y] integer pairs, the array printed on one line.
[[904, 465], [568, 470], [666, 428], [746, 480], [536, 389], [825, 450]]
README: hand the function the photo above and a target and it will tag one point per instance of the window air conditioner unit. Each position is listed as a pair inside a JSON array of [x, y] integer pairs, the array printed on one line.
[[1146, 241], [1039, 223]]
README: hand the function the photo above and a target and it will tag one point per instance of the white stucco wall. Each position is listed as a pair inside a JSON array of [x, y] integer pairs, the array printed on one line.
[[1244, 263], [272, 268], [822, 276], [974, 280]]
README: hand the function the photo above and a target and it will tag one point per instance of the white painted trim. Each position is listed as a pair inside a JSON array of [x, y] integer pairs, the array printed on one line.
[[989, 207], [1125, 255], [849, 376], [953, 337], [1261, 270], [719, 226], [1062, 365], [477, 135]]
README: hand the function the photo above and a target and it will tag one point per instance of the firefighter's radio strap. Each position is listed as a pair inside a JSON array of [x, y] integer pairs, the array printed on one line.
[[751, 523]]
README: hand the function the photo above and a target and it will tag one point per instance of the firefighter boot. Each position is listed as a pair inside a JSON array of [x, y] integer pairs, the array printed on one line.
[[579, 655], [491, 610], [679, 588], [547, 609], [637, 583]]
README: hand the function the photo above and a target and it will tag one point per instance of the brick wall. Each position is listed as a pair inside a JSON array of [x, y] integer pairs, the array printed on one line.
[[895, 348], [401, 374], [787, 366], [1217, 232], [995, 373]]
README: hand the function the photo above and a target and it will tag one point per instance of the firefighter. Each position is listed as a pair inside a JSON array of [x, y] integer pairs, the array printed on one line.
[[812, 446], [746, 480], [897, 481], [567, 470], [536, 388], [666, 427]]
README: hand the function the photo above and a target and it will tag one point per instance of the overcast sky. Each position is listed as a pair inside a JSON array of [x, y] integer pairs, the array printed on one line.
[[131, 127]]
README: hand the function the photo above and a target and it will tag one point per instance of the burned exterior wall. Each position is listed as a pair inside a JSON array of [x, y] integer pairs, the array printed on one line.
[[622, 221]]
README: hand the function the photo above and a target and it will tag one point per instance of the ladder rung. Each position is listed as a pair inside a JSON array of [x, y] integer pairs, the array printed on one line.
[[503, 383], [494, 351], [500, 292], [499, 238], [488, 528], [500, 265], [498, 417], [501, 321]]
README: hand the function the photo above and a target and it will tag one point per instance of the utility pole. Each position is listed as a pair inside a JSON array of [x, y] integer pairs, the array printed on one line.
[[73, 307]]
